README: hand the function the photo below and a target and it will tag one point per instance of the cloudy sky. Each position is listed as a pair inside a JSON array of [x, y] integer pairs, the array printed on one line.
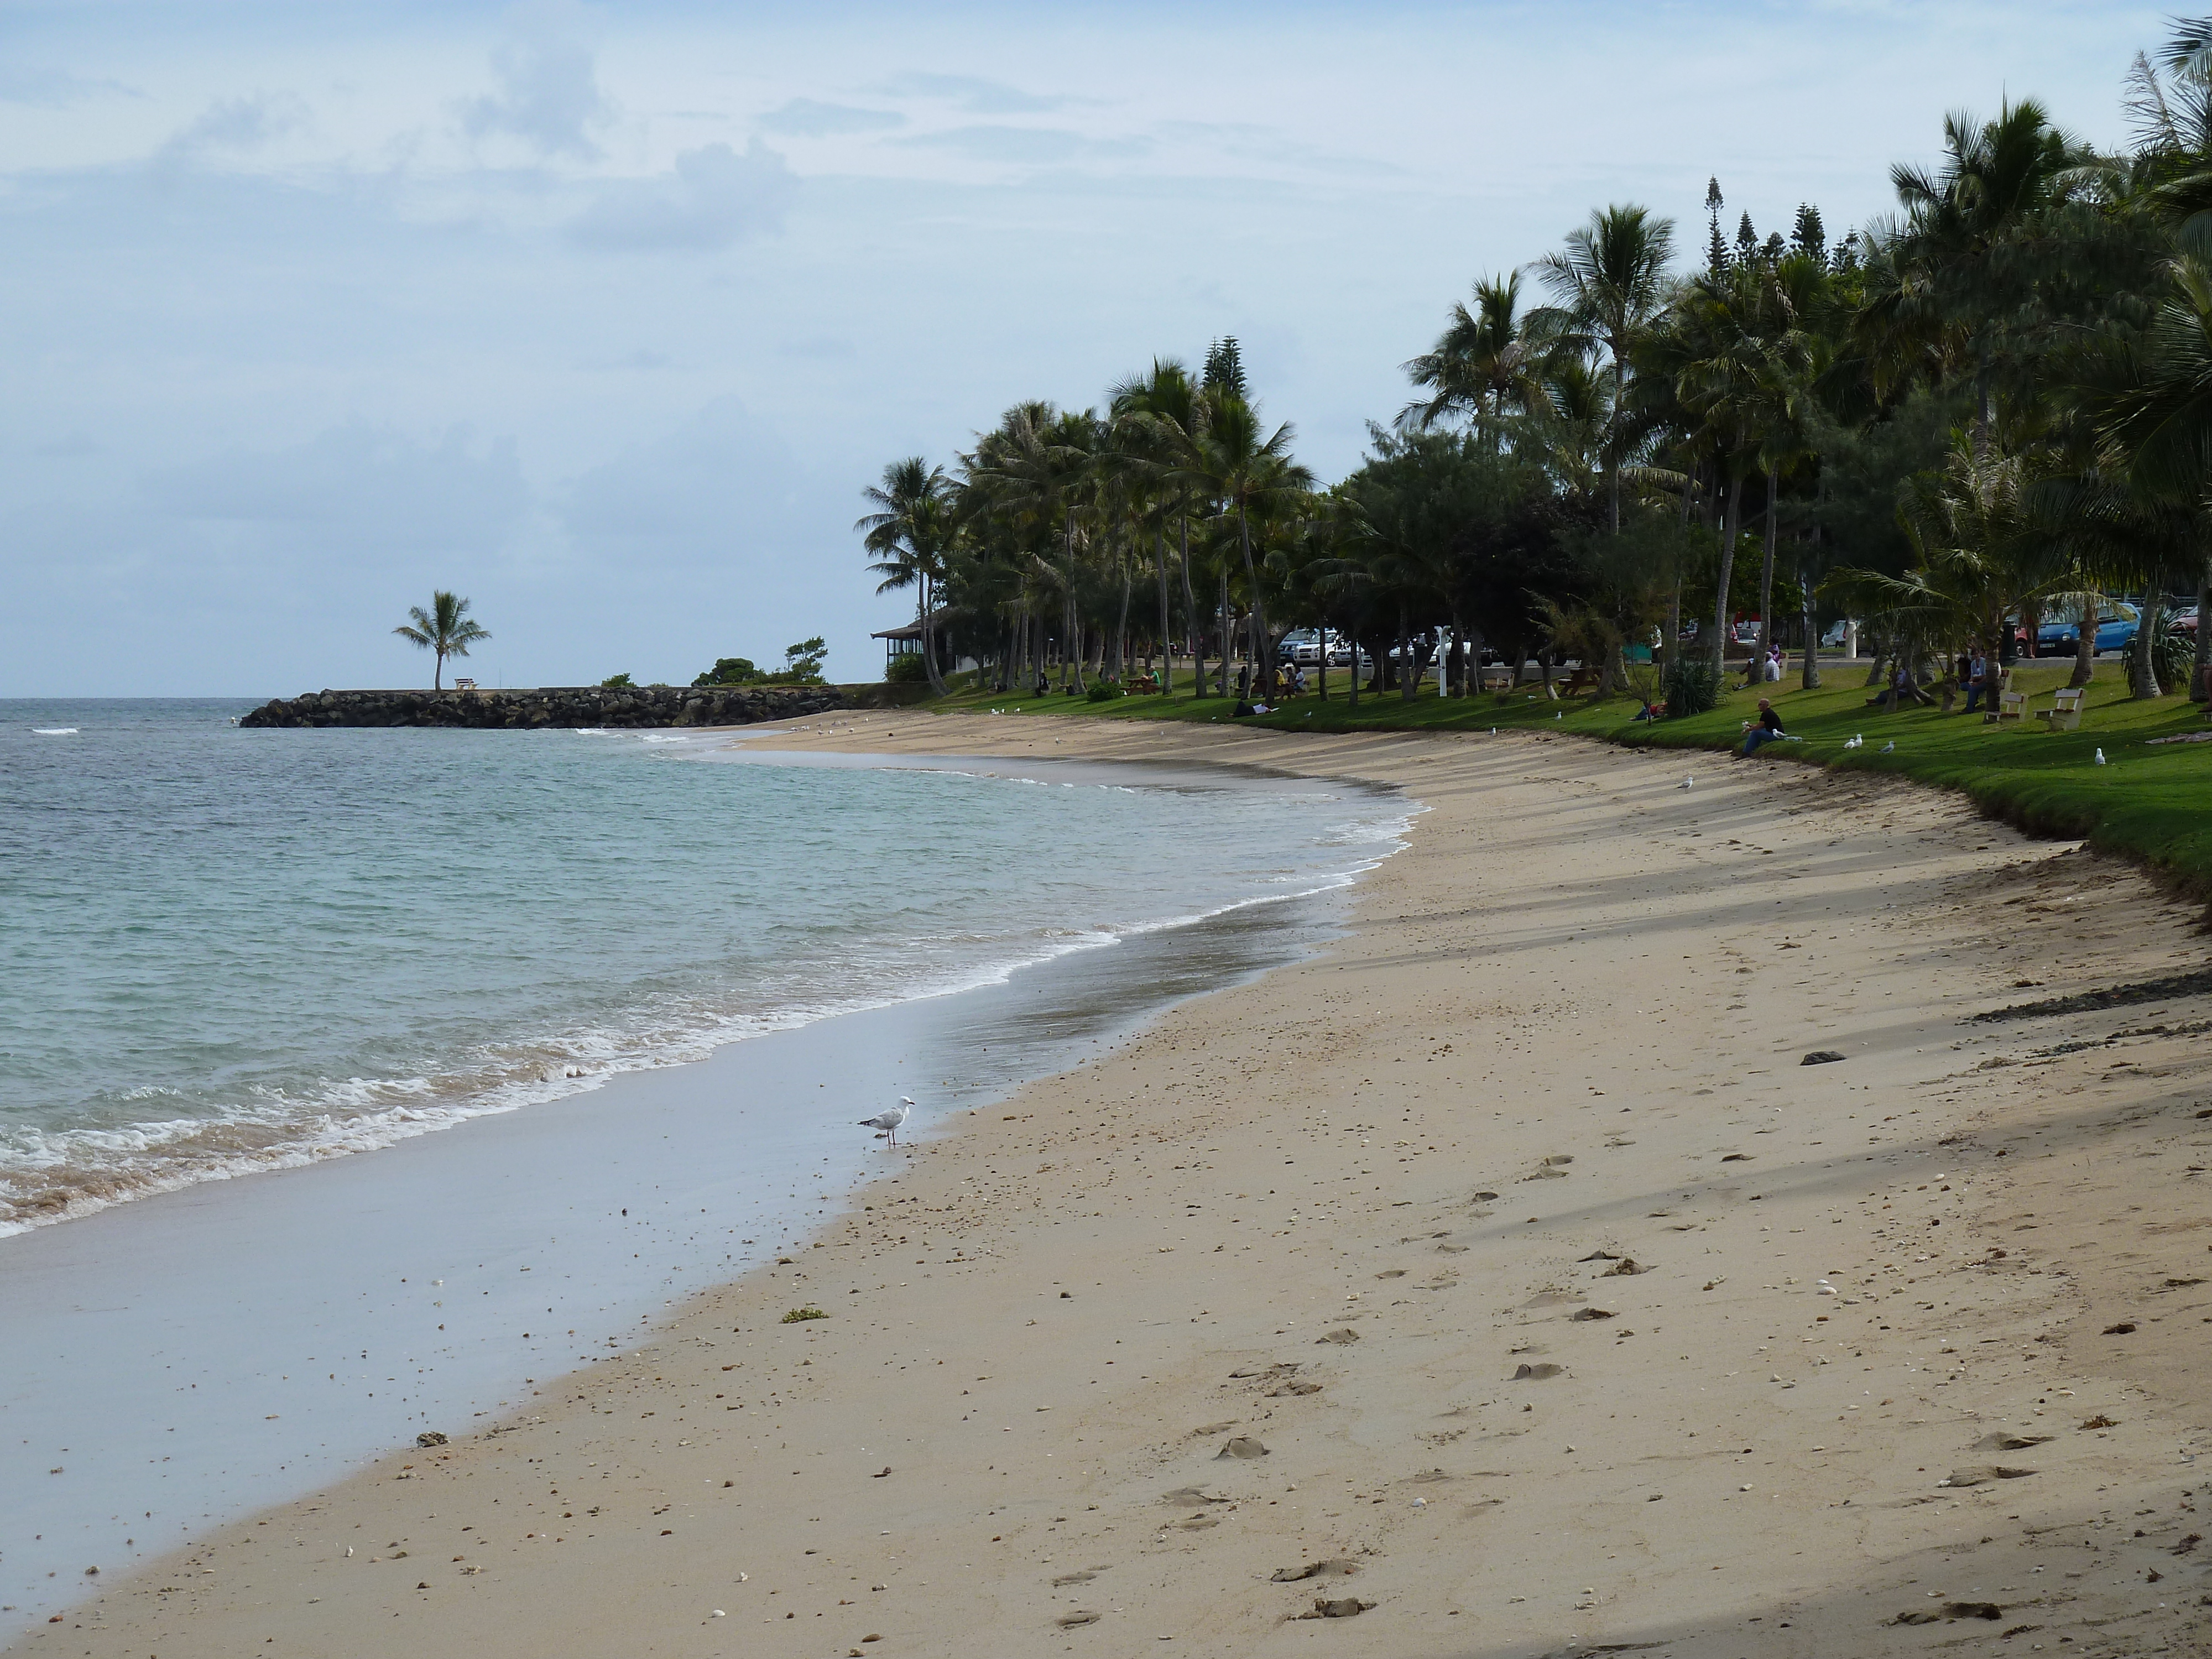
[[602, 315]]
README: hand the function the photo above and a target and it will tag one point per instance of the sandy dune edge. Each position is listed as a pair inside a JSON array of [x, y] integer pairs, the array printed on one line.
[[1263, 1224]]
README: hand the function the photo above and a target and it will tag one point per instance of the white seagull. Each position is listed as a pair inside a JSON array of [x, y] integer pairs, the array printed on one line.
[[887, 1123], [2101, 758], [1889, 748], [1857, 740]]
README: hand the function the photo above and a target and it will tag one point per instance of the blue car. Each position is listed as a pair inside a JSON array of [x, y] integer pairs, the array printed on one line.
[[2115, 629]]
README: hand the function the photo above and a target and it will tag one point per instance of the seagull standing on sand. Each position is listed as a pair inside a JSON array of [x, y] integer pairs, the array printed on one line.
[[887, 1123]]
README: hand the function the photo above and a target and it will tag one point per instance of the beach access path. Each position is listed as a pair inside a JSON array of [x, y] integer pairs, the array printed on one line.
[[1464, 1281]]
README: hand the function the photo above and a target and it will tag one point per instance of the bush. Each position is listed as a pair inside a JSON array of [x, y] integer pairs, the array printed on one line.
[[909, 670], [2176, 658], [731, 671], [1104, 691], [1692, 687], [617, 682]]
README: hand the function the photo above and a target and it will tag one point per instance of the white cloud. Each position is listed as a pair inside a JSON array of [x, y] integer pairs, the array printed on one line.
[[549, 94], [239, 124], [808, 117], [712, 198], [973, 93]]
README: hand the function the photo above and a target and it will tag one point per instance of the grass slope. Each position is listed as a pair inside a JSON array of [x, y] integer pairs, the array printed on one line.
[[2152, 804]]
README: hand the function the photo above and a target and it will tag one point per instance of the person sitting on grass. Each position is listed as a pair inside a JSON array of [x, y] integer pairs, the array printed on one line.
[[1765, 729]]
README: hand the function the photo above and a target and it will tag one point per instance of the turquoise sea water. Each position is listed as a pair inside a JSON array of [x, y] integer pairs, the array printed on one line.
[[223, 950]]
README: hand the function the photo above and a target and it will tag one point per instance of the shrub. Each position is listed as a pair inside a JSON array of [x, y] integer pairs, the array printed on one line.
[[731, 671], [1104, 691], [2176, 658], [1691, 686], [617, 682], [799, 1314], [908, 670]]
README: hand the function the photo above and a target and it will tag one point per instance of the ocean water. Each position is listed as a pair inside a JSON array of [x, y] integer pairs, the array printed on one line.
[[225, 951]]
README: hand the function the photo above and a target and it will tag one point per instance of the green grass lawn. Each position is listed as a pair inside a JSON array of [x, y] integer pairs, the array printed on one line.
[[2151, 804]]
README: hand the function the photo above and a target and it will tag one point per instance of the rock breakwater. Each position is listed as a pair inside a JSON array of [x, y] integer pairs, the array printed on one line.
[[555, 706]]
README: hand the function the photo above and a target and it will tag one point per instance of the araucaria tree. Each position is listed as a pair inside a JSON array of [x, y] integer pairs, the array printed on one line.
[[445, 628]]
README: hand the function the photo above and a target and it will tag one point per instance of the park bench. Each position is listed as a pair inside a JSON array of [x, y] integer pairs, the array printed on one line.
[[1581, 680], [2011, 705], [2065, 713]]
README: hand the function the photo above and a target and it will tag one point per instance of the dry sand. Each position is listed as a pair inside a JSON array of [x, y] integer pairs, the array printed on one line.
[[1318, 1293]]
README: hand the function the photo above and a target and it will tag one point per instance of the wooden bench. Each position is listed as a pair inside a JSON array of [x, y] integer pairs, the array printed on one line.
[[2011, 705], [1496, 677], [2065, 713], [1581, 680]]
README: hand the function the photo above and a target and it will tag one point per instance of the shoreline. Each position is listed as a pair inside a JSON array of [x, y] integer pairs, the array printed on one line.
[[1494, 1475], [235, 1289]]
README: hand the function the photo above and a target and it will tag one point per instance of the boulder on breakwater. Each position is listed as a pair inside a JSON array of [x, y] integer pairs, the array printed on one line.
[[553, 706]]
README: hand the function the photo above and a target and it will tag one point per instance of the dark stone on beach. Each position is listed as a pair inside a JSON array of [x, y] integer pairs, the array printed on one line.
[[1536, 1373], [431, 1438], [556, 706], [1820, 1057], [1340, 1606]]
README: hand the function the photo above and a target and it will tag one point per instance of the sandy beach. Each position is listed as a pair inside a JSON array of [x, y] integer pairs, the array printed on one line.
[[1498, 1281]]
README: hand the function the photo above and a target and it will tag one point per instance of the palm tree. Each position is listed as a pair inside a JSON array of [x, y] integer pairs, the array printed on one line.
[[1739, 358], [1154, 417], [1970, 278], [1610, 282], [1980, 554], [1486, 362], [1248, 474], [445, 628], [909, 533]]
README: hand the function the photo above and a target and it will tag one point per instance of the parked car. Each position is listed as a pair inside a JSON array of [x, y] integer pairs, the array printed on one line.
[[1833, 638], [2116, 626], [1305, 646]]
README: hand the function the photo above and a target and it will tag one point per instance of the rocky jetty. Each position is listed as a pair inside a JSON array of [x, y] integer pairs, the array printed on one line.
[[553, 706]]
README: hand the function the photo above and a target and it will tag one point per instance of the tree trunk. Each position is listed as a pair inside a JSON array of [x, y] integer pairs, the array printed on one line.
[[1121, 671], [2200, 677], [929, 643], [1810, 680], [1355, 665], [1406, 674], [1728, 525], [1263, 652], [1225, 631], [1766, 581], [438, 673], [1190, 611], [1167, 649], [2085, 647], [2143, 667]]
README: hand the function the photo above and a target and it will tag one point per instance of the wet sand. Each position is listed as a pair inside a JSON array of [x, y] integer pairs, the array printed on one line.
[[1316, 1295]]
